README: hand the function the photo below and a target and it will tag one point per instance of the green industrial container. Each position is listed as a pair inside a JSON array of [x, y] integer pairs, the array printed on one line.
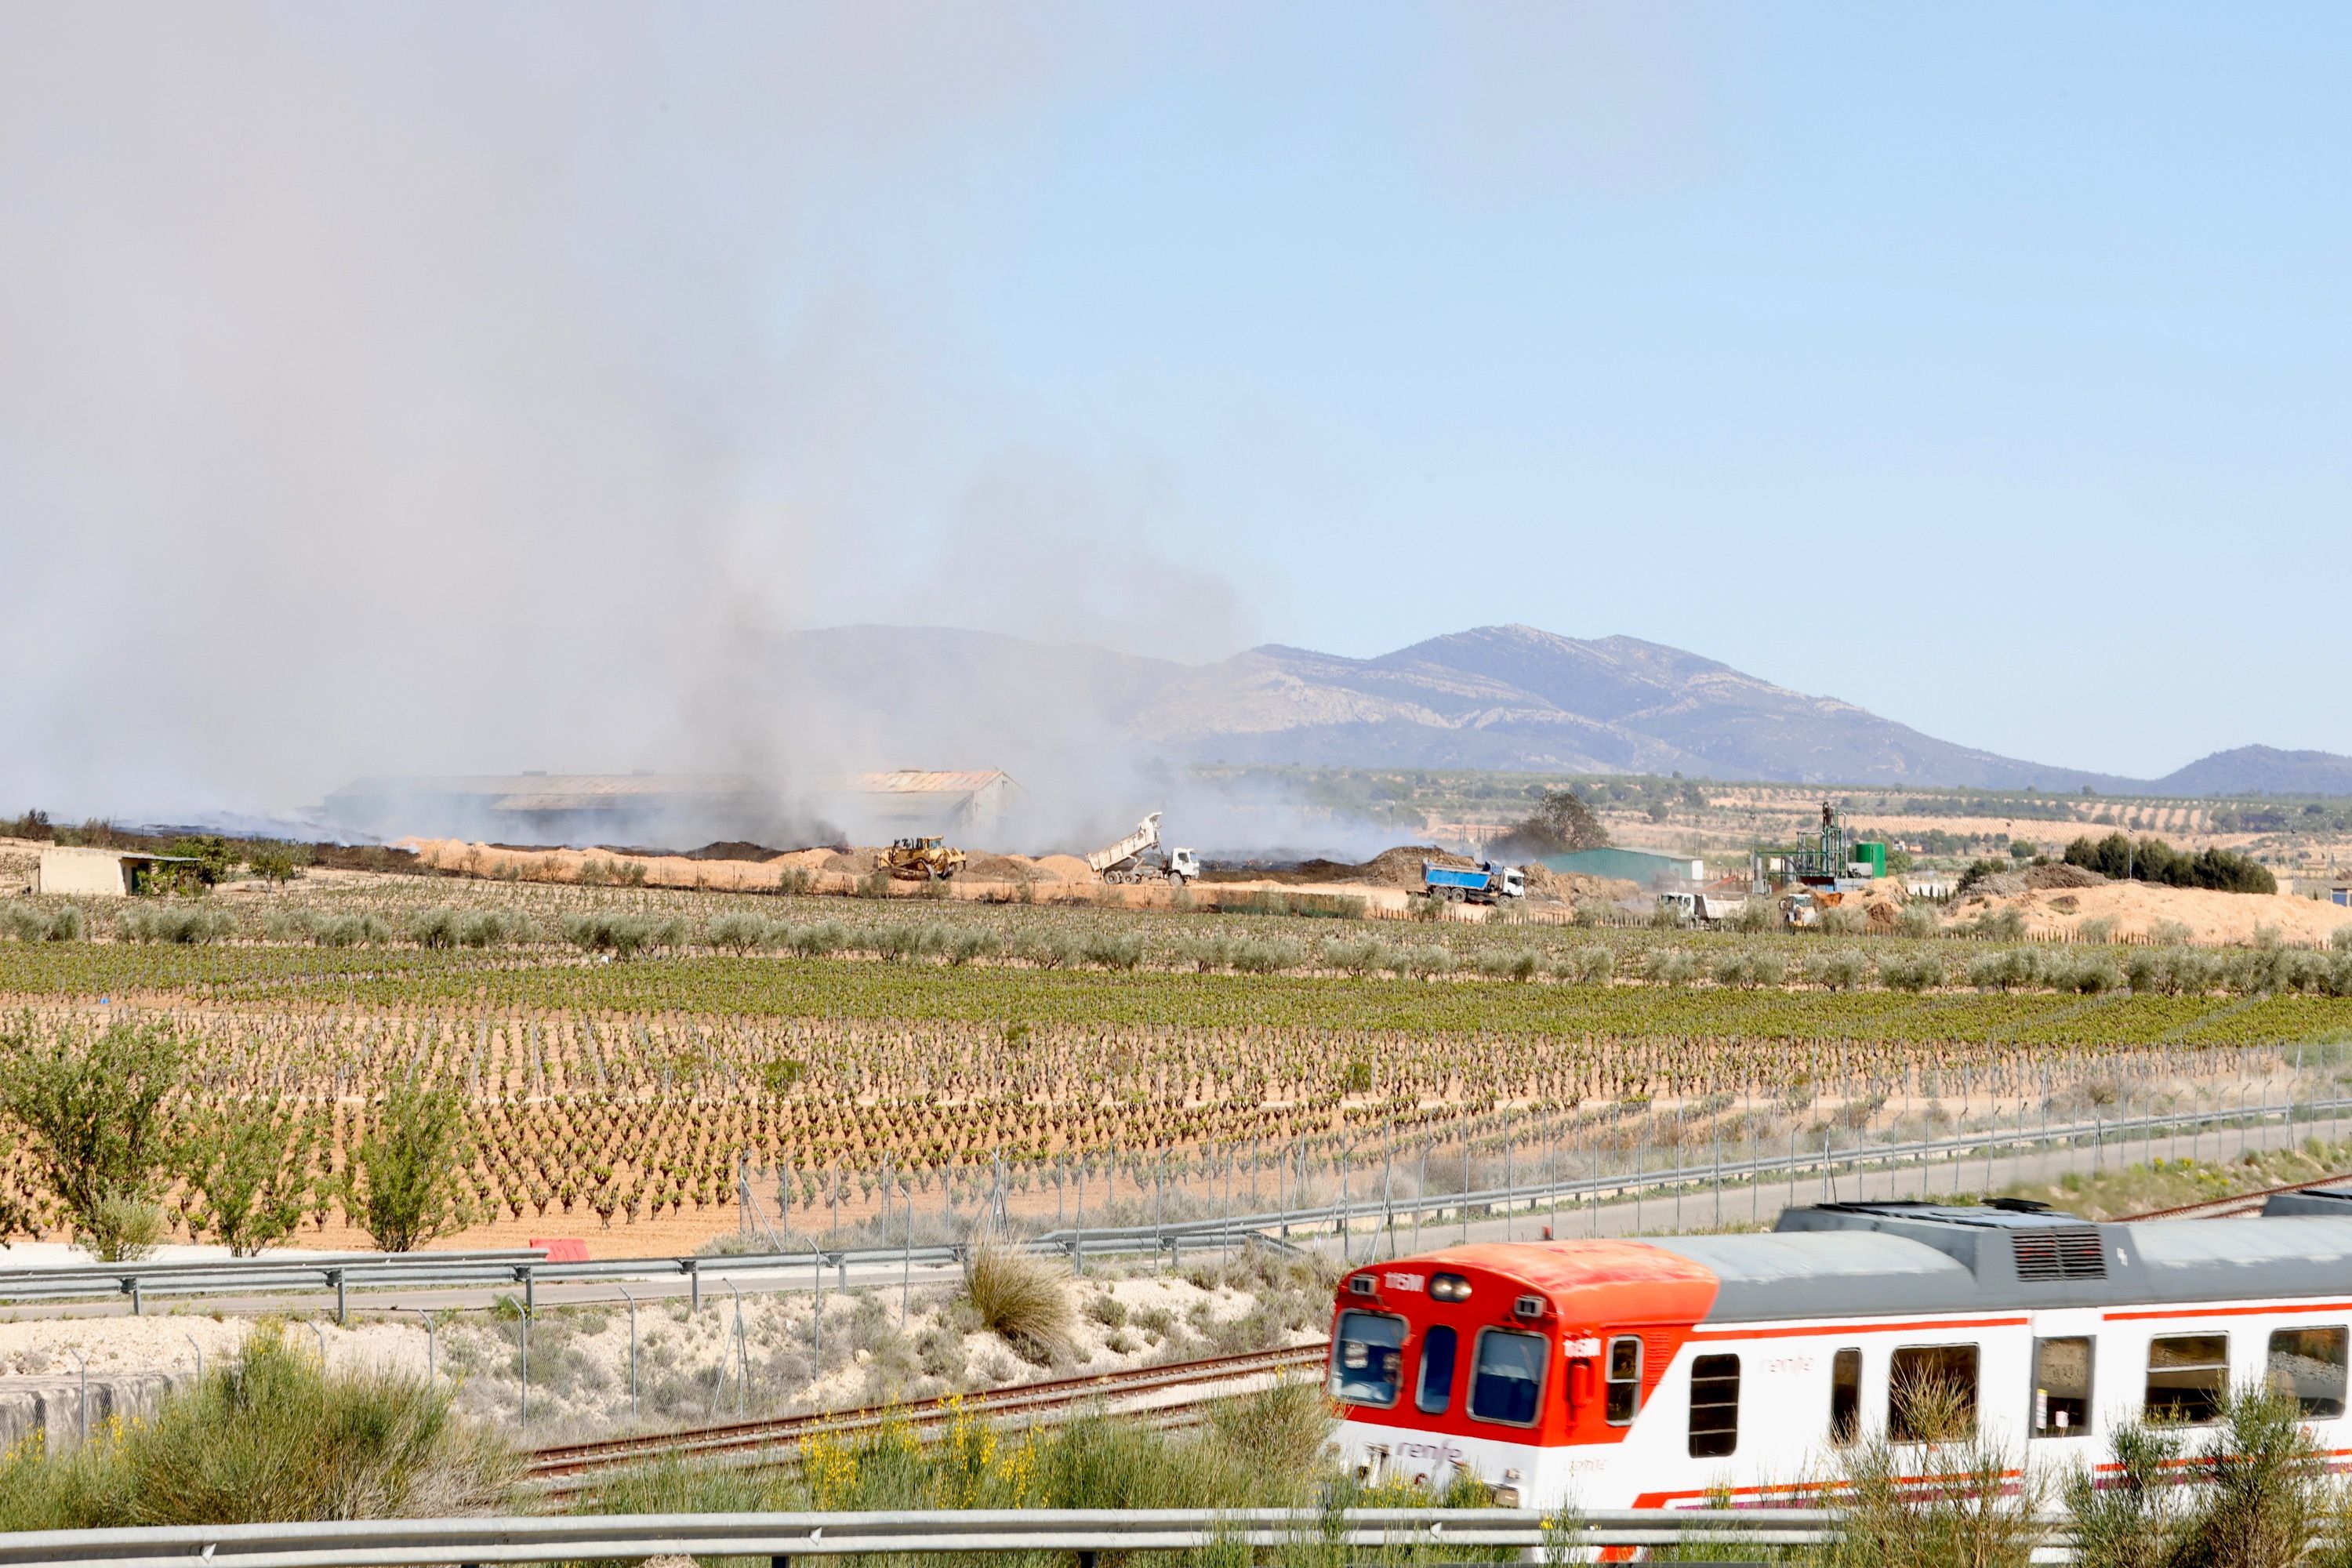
[[1870, 852]]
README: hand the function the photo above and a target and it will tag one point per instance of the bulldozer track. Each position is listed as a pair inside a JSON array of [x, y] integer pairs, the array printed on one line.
[[771, 1440]]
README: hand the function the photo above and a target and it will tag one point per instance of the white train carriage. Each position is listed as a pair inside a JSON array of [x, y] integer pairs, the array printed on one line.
[[1664, 1371]]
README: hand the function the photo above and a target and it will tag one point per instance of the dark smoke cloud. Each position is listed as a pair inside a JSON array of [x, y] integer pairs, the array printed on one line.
[[409, 390]]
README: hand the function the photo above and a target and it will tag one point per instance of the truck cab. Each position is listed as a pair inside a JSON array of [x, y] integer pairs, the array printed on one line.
[[1183, 866]]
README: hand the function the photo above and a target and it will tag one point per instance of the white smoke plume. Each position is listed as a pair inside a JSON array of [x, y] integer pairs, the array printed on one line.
[[451, 388]]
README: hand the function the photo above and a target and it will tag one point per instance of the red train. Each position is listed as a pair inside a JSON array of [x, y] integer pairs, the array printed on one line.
[[1662, 1371]]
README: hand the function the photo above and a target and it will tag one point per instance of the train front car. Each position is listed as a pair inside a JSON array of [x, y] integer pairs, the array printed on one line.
[[1526, 1366], [1629, 1373]]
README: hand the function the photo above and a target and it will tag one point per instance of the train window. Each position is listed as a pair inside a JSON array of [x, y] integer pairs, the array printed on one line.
[[2061, 1387], [1507, 1381], [1437, 1371], [1715, 1406], [1931, 1394], [1367, 1359], [1845, 1397], [2188, 1376], [2306, 1365], [1624, 1379]]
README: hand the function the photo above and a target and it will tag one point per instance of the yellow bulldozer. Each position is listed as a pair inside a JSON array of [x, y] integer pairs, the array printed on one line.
[[920, 859]]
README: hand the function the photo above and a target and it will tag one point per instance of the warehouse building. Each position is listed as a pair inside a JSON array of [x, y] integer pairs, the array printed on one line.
[[1642, 868]]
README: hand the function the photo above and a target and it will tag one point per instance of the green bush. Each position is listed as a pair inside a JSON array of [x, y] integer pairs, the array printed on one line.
[[623, 936], [187, 925], [269, 1437], [1020, 1300], [740, 932], [93, 1106], [2154, 860], [403, 1184]]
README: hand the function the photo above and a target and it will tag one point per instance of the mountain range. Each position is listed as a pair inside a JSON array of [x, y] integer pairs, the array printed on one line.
[[1508, 697]]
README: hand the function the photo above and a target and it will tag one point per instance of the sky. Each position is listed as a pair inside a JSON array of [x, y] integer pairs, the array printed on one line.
[[469, 386]]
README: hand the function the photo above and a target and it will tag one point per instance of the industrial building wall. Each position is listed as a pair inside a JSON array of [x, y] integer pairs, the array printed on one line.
[[91, 872]]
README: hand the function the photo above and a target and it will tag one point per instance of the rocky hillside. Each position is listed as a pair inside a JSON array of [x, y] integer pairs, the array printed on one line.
[[1493, 697]]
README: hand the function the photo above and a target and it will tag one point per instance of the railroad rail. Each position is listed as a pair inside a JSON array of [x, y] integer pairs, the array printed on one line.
[[764, 1441], [2239, 1204]]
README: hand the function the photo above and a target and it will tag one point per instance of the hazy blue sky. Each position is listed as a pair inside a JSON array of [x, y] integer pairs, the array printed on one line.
[[463, 376], [1984, 366]]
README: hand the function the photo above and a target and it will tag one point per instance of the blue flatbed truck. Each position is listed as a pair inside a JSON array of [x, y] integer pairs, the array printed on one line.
[[1484, 883]]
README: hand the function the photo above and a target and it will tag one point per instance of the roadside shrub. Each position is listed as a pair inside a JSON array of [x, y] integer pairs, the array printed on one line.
[[1754, 916], [1767, 967], [1732, 969], [1019, 1299], [1916, 921], [269, 1437], [2342, 939]]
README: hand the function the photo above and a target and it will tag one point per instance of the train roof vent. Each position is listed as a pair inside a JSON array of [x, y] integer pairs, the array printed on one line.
[[2059, 1252]]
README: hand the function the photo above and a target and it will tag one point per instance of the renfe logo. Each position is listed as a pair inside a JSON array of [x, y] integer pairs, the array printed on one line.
[[1436, 1453], [1577, 1350], [1402, 1281]]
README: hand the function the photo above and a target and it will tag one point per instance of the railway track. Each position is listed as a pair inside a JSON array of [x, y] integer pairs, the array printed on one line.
[[1175, 1390], [2238, 1203]]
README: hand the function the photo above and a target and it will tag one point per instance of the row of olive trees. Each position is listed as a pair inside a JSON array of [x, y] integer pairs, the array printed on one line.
[[103, 1115]]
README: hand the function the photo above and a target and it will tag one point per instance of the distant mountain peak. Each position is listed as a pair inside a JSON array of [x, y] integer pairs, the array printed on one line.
[[1508, 696]]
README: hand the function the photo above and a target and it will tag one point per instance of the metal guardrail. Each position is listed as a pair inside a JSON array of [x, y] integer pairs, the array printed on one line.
[[528, 1268], [399, 1543]]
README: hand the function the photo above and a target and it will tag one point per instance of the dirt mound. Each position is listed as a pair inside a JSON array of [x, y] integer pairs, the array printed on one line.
[[2150, 911], [853, 862], [1062, 868], [1576, 887], [982, 866], [1401, 867], [2033, 880], [735, 849]]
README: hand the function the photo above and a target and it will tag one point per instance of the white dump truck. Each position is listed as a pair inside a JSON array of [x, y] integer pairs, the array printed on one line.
[[1702, 909], [1139, 857]]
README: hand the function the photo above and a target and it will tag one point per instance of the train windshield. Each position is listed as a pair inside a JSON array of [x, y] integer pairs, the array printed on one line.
[[1507, 1382], [1368, 1358]]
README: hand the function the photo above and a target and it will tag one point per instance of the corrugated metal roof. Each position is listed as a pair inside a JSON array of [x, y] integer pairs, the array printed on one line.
[[919, 781]]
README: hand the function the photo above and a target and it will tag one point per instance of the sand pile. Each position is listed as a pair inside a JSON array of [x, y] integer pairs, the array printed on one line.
[[1576, 887], [2033, 878], [2147, 911]]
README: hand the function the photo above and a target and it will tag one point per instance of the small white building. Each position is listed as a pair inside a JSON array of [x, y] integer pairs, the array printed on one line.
[[96, 873]]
